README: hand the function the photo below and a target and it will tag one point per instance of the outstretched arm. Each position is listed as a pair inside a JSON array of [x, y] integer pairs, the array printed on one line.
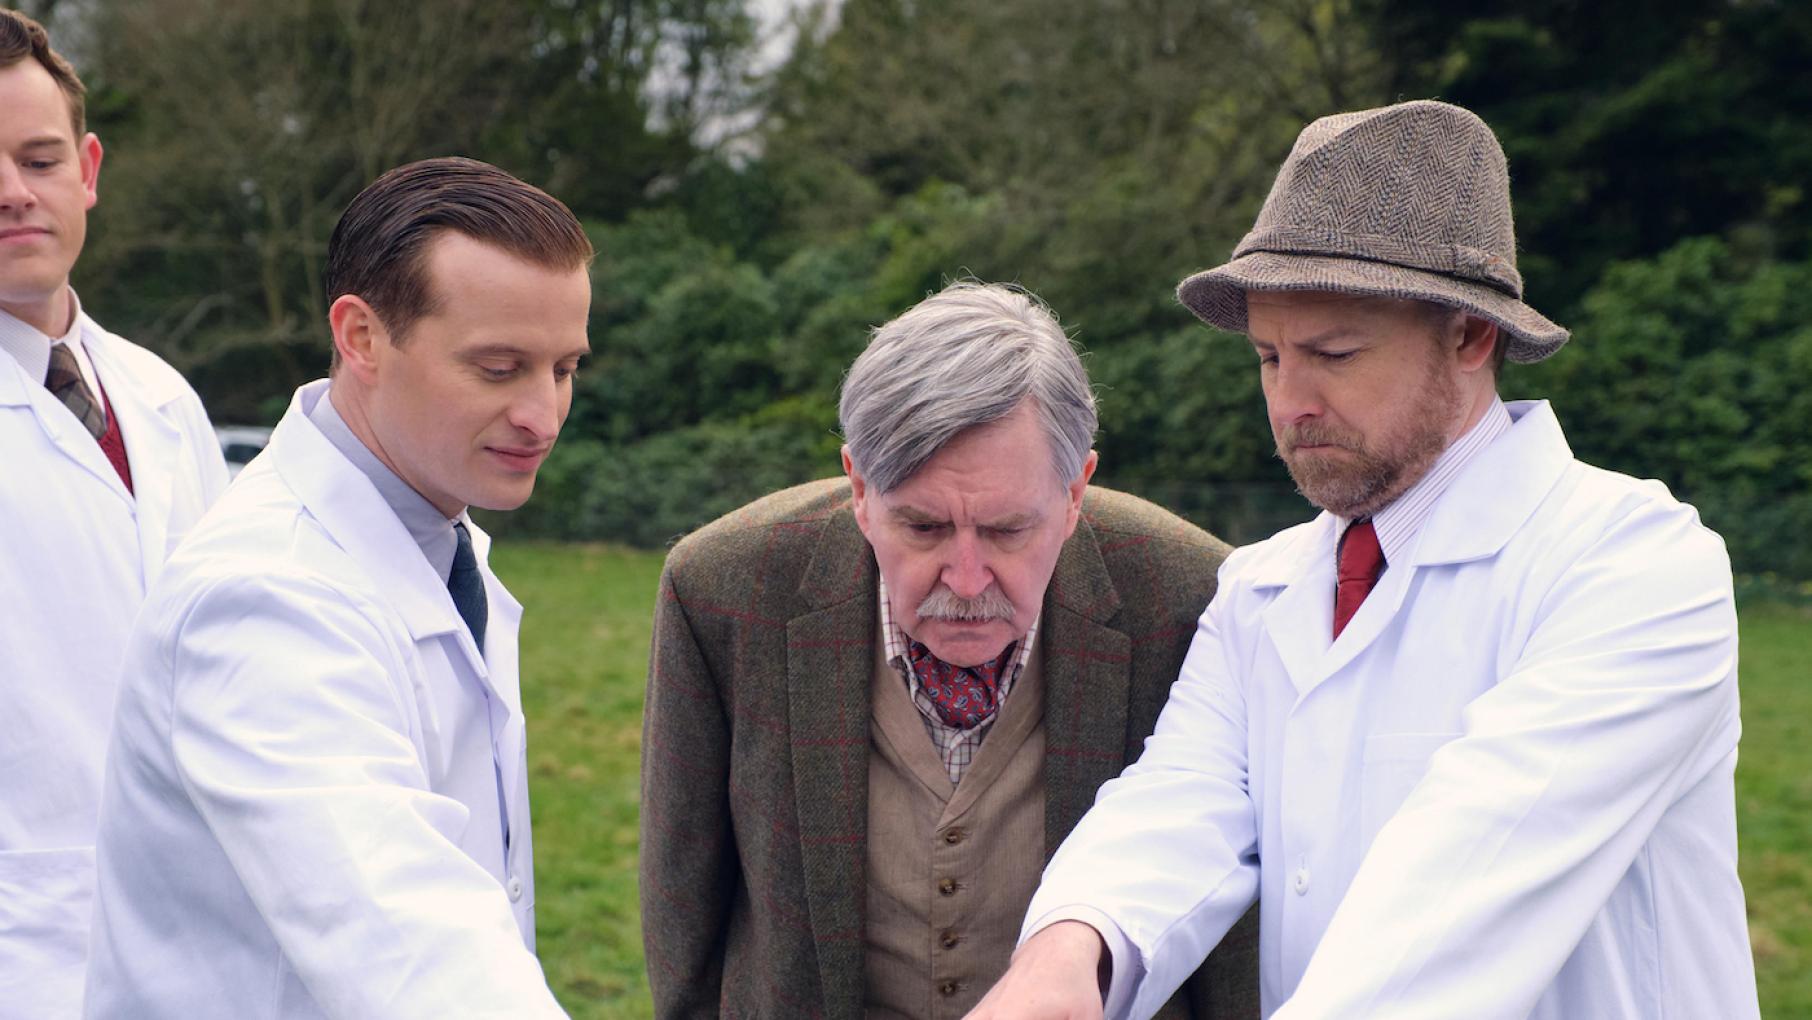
[[1160, 868]]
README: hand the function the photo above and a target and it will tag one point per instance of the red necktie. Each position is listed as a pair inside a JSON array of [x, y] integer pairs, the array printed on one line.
[[962, 695], [1360, 560]]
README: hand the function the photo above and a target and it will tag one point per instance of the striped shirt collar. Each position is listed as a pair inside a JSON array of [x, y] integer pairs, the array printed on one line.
[[1398, 523], [30, 347]]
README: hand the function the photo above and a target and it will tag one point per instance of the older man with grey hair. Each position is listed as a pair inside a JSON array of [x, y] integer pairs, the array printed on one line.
[[877, 704]]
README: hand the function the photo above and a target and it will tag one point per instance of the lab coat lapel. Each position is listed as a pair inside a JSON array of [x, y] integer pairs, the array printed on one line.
[[1374, 615], [1087, 679], [28, 396], [501, 608], [829, 664], [1300, 620], [352, 511], [153, 446], [500, 669], [1479, 512], [1486, 504], [1499, 491]]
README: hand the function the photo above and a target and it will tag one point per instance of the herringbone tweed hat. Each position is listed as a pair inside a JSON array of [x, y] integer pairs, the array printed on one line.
[[1405, 201]]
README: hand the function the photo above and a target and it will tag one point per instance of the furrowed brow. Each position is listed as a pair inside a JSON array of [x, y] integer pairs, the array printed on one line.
[[913, 515], [1013, 522]]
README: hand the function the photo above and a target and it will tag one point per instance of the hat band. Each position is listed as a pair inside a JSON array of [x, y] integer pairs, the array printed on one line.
[[1454, 260]]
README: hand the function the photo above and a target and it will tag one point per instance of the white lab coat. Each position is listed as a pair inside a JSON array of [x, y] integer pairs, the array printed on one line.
[[1504, 791], [76, 553], [302, 812]]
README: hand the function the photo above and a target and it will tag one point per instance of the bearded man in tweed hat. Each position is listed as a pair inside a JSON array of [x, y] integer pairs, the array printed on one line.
[[876, 704], [1469, 735]]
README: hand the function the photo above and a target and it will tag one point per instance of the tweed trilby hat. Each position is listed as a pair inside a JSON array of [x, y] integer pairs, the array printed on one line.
[[1405, 201]]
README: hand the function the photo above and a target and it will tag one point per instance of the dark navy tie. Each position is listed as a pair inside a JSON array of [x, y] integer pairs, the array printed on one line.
[[466, 585]]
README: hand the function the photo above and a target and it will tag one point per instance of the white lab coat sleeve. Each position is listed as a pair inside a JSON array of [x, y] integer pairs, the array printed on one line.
[[1168, 852], [1123, 966], [1477, 890], [291, 734]]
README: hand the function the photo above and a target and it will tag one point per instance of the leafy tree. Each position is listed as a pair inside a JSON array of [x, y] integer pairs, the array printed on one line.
[[1092, 151], [1628, 125], [237, 133], [1691, 367]]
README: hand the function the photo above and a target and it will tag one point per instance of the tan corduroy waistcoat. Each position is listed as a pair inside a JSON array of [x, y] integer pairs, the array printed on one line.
[[950, 871]]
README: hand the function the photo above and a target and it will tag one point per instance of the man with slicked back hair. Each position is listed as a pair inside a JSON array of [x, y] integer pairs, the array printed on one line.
[[316, 803]]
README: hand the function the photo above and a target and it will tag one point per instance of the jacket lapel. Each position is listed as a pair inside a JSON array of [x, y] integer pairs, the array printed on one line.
[[153, 448], [500, 673], [1479, 512], [1372, 619], [1300, 619], [352, 511], [1087, 680], [829, 663], [61, 427]]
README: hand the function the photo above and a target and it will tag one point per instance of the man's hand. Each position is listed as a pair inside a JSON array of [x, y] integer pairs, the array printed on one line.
[[1059, 974]]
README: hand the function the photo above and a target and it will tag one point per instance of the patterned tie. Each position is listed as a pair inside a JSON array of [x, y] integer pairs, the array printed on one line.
[[65, 382], [1360, 560], [466, 585], [963, 695]]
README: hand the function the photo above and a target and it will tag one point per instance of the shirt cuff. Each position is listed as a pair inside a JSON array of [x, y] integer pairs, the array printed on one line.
[[1125, 968]]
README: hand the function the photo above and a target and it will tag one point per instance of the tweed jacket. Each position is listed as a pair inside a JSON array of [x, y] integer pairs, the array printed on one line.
[[756, 740]]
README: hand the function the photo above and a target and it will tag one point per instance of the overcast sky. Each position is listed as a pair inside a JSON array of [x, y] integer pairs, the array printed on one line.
[[775, 38]]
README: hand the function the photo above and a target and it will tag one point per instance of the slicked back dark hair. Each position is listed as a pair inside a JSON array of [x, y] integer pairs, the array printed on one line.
[[379, 248], [21, 37]]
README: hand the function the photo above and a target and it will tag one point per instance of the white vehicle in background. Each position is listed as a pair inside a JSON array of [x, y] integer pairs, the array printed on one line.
[[240, 443]]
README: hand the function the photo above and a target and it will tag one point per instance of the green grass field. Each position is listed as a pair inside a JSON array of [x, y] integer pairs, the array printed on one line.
[[585, 655]]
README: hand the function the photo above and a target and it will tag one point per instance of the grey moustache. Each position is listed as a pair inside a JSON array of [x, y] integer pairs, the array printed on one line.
[[944, 604]]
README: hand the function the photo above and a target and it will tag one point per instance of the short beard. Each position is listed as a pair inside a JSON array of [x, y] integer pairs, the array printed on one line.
[[944, 604], [1374, 475]]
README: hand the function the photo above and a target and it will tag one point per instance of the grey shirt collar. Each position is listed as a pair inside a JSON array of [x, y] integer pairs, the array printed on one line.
[[431, 529]]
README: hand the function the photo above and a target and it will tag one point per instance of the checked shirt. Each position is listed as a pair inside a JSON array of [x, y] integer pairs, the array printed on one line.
[[955, 747]]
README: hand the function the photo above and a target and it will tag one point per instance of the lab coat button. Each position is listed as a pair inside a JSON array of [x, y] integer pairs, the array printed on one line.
[[1302, 881], [515, 888]]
